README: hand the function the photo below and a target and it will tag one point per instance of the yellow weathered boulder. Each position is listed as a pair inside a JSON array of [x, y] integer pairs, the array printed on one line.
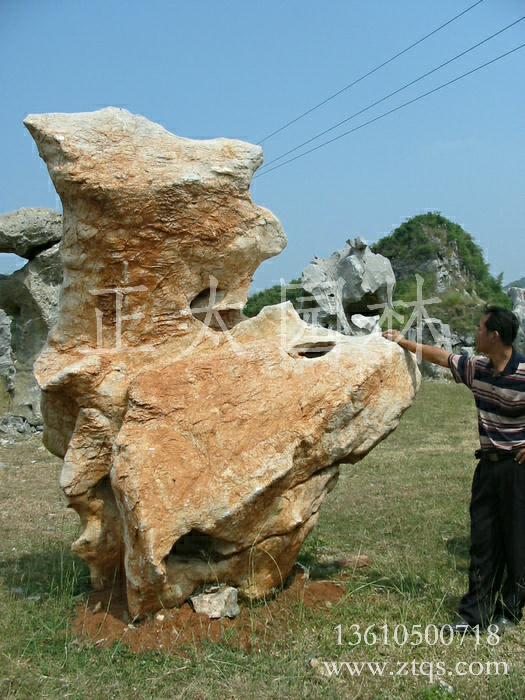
[[198, 445]]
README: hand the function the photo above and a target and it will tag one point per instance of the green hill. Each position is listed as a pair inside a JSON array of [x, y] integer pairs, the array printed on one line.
[[516, 283], [451, 264]]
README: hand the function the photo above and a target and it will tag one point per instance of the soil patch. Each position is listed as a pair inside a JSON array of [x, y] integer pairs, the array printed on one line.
[[103, 619]]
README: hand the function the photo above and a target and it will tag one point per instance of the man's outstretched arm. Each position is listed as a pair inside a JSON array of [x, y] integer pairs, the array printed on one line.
[[437, 356]]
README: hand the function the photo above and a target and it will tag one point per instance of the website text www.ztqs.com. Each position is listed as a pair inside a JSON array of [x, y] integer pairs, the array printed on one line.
[[430, 669]]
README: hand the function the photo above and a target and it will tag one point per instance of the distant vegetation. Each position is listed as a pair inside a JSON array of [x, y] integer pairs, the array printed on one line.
[[516, 283], [273, 295]]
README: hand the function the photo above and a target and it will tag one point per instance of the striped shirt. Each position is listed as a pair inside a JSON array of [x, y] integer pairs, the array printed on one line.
[[500, 398]]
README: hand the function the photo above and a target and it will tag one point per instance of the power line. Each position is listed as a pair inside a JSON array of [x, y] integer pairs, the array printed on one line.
[[374, 70], [395, 92], [395, 109]]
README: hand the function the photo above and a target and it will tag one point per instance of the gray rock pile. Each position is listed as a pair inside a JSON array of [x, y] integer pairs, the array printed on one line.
[[340, 290], [28, 303]]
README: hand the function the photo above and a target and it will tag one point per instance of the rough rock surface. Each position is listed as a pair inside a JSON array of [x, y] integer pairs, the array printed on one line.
[[448, 271], [517, 294], [215, 604], [29, 297], [340, 290], [465, 340], [26, 232], [7, 368], [198, 446], [432, 331]]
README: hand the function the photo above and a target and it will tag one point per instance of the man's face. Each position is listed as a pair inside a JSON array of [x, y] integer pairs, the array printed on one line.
[[484, 337]]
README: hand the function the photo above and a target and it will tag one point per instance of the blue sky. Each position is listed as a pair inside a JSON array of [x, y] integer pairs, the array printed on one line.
[[242, 69]]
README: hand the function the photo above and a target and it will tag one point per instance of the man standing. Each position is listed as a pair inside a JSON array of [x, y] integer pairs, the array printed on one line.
[[497, 508]]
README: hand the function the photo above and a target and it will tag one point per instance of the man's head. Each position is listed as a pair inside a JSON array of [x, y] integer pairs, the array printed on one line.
[[497, 325]]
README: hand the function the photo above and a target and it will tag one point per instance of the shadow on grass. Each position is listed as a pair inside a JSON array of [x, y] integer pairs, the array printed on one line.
[[403, 584], [459, 546], [413, 585], [320, 571], [50, 573]]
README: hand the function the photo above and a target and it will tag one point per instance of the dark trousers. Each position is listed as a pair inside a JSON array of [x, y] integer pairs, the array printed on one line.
[[497, 528]]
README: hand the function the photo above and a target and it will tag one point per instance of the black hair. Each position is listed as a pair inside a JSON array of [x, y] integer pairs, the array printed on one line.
[[504, 322]]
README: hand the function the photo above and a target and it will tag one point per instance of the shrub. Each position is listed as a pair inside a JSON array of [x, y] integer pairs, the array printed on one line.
[[273, 295]]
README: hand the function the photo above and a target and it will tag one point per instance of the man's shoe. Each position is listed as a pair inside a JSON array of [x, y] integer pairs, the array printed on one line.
[[458, 626], [500, 624]]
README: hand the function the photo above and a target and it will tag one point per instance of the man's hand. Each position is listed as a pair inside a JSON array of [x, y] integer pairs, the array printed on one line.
[[520, 457], [393, 335], [437, 356]]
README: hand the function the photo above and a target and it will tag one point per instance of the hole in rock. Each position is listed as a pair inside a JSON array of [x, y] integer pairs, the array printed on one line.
[[362, 306], [204, 308], [9, 263], [196, 545], [312, 349]]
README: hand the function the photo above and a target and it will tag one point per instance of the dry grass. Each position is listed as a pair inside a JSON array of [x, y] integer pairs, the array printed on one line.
[[405, 505]]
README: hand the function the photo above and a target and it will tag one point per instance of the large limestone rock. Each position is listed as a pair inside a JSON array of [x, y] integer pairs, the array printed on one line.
[[341, 291], [517, 294], [26, 232], [29, 297], [198, 445]]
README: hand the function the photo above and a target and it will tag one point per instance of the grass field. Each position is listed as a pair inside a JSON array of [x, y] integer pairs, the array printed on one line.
[[405, 506]]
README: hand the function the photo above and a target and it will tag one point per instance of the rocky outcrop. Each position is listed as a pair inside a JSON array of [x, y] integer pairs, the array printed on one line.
[[7, 368], [339, 291], [448, 270], [29, 297], [517, 295], [27, 232], [198, 446], [462, 343]]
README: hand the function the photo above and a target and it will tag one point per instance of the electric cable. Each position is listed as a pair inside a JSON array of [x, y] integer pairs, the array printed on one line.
[[391, 111], [395, 92], [374, 70]]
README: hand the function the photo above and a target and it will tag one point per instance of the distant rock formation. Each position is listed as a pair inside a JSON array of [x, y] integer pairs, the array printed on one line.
[[517, 294], [29, 297], [432, 331], [7, 368], [198, 447], [27, 232], [340, 290], [449, 272], [462, 341]]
